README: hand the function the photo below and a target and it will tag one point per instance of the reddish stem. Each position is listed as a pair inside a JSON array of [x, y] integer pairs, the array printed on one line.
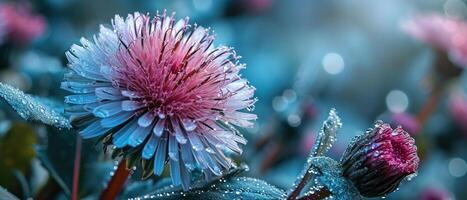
[[322, 193], [271, 157], [76, 168], [298, 189], [430, 105], [117, 181]]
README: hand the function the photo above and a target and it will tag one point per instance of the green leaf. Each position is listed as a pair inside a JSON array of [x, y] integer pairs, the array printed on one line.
[[33, 108], [16, 153]]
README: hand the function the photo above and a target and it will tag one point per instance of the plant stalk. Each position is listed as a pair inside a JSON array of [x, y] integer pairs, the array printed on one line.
[[430, 105], [76, 168], [319, 194], [117, 181], [299, 187]]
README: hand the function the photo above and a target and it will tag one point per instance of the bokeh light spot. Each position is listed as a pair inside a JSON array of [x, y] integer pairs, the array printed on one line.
[[457, 167], [289, 95], [294, 120], [279, 103], [333, 63], [397, 101]]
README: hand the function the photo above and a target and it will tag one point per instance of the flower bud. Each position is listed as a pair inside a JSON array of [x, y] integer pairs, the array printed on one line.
[[377, 161]]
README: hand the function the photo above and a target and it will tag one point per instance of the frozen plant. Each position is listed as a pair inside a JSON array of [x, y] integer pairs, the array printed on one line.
[[161, 93]]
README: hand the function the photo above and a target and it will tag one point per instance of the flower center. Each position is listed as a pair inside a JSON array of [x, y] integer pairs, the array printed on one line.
[[177, 85]]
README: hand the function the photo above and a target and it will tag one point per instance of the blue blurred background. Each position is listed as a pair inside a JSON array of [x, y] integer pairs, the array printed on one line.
[[304, 58]]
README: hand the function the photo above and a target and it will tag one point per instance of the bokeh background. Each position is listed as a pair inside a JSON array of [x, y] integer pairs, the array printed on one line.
[[304, 58]]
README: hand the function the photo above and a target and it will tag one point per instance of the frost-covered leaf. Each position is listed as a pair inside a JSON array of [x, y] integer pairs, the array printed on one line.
[[228, 189], [5, 195], [149, 186], [327, 134], [326, 137], [328, 173], [32, 108], [136, 188]]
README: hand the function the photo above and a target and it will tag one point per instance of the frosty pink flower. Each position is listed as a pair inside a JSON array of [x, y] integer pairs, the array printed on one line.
[[158, 89], [378, 160], [19, 24], [447, 34]]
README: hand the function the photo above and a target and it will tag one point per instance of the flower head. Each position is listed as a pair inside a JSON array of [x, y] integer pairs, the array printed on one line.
[[378, 160], [158, 89], [19, 24], [444, 33]]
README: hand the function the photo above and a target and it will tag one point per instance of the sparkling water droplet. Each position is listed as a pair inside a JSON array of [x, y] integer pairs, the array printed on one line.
[[189, 124]]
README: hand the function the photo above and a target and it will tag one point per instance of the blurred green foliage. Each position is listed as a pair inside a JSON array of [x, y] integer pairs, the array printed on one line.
[[17, 151]]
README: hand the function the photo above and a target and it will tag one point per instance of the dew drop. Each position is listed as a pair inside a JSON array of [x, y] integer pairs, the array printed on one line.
[[189, 125]]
